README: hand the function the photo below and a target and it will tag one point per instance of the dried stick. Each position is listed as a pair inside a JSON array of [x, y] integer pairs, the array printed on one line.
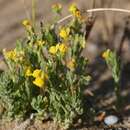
[[97, 10]]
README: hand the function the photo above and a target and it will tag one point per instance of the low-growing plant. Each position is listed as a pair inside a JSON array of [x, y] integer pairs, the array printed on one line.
[[114, 64], [46, 72]]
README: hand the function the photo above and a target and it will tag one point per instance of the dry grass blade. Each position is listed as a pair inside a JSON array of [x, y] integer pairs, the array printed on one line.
[[25, 8], [34, 12]]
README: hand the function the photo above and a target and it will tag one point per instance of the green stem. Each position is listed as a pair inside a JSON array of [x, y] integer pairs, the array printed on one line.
[[34, 12], [118, 95]]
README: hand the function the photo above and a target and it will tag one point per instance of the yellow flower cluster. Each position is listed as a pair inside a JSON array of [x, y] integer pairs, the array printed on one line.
[[39, 82], [73, 8], [10, 54], [57, 7], [62, 48], [27, 24], [40, 78], [106, 54], [78, 14], [71, 64], [40, 43], [39, 75], [75, 11], [28, 71], [20, 56], [64, 33], [53, 50]]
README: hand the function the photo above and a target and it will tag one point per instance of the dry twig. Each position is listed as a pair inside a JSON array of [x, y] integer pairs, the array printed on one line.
[[97, 10]]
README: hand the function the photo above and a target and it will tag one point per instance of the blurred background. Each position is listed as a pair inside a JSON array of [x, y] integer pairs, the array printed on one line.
[[13, 12]]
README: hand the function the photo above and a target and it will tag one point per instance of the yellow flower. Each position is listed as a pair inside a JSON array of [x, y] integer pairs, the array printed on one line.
[[39, 82], [21, 56], [53, 50], [73, 8], [63, 48], [11, 55], [64, 33], [28, 72], [40, 43], [71, 64], [57, 7], [37, 73], [78, 14], [75, 11], [40, 77], [106, 53], [26, 23], [57, 46]]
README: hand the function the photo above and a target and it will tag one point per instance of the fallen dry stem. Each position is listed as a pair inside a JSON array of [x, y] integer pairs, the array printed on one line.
[[97, 10]]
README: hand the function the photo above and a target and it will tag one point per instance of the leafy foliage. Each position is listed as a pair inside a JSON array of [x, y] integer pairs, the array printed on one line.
[[46, 72], [114, 65]]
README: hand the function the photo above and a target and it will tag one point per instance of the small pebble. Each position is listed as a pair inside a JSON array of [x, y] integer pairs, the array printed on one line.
[[111, 120]]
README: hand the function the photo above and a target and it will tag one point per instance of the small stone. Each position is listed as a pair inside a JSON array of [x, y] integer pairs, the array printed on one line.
[[111, 120]]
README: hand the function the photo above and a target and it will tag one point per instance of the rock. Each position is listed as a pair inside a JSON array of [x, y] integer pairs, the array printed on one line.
[[111, 120]]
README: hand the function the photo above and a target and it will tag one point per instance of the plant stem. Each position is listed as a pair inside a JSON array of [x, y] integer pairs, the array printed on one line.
[[34, 12], [118, 96]]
